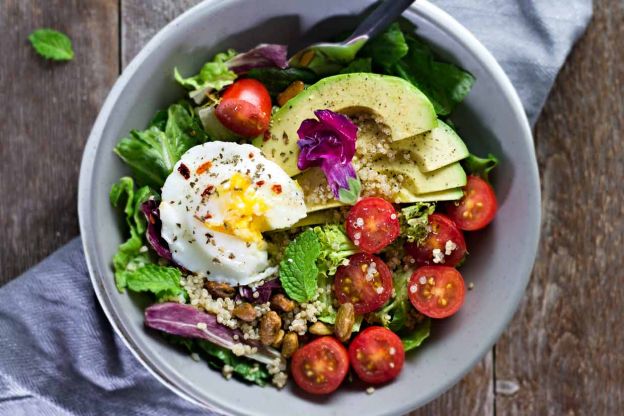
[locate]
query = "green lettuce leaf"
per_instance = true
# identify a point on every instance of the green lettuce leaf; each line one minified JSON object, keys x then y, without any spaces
{"x":480,"y":166}
{"x":335,"y":248}
{"x":152,"y":153}
{"x":129,"y":254}
{"x":298,"y":271}
{"x":387,"y":48}
{"x":214,"y":75}
{"x":395,"y":313}
{"x":446,"y":85}
{"x":52,"y":44}
{"x":243,"y":368}
{"x":414,"y":220}
{"x":358,"y":65}
{"x":414,"y":338}
{"x":277,"y":80}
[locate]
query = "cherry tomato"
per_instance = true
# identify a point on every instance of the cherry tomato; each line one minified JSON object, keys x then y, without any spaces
{"x":477,"y":208}
{"x":320,"y":366}
{"x":444,"y":244}
{"x":245,"y":108}
{"x":366,"y":283}
{"x":372,"y":224}
{"x":436,"y":291}
{"x":377,"y":355}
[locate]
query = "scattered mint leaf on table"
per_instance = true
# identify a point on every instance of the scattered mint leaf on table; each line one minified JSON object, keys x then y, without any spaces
{"x":298,"y":270}
{"x":52,"y":44}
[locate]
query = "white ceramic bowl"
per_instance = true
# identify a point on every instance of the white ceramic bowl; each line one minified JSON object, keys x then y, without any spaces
{"x":490,"y":120}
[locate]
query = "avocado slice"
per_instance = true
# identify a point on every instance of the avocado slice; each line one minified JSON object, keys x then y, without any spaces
{"x":406,"y":196}
{"x":394,"y":101}
{"x":434,"y":149}
{"x":417,"y":182}
{"x":326,"y":216}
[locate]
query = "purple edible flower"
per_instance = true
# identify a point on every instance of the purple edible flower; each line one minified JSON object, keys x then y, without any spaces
{"x":265,"y":290}
{"x":329,"y":143}
{"x":154,"y":225}
{"x":262,"y":56}
{"x":189,"y":322}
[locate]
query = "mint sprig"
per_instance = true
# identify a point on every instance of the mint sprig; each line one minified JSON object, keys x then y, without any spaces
{"x":298,"y":271}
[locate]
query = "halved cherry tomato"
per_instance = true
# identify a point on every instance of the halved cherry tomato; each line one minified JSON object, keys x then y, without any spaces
{"x":436,"y":291}
{"x":320,"y":366}
{"x":477,"y":208}
{"x":377,"y":355}
{"x":245,"y":108}
{"x":444,"y":244}
{"x":372,"y":224}
{"x":366,"y":283}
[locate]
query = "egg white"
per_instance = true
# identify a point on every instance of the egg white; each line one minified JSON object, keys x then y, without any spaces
{"x":188,"y":197}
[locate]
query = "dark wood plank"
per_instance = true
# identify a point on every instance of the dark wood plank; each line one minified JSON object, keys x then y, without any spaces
{"x":47,"y":112}
{"x":474,"y":394}
{"x":564,"y":353}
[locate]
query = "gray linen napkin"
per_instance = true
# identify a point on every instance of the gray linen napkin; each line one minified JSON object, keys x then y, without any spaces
{"x":59,"y":355}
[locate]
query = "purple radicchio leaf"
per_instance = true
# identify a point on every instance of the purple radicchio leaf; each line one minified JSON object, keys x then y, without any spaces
{"x":329,"y":143}
{"x":154,"y":225}
{"x":189,"y":322}
{"x":265,"y":290}
{"x":262,"y":56}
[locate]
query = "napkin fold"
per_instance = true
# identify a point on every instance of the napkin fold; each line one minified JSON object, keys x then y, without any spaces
{"x":58,"y":353}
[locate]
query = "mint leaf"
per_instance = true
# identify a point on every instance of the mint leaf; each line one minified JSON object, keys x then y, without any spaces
{"x":52,"y":44}
{"x":161,"y":281}
{"x":480,"y":166}
{"x":413,"y":339}
{"x":298,"y":271}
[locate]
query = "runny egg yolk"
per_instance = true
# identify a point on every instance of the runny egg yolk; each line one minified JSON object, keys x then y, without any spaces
{"x":243,"y":210}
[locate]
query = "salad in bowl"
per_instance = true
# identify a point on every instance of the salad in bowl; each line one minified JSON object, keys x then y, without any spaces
{"x":295,"y":221}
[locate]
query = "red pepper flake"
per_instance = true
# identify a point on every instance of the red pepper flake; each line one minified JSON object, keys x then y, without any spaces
{"x":208,"y":216}
{"x":277,"y":188}
{"x":266,"y":136}
{"x":204,"y":167}
{"x":208,"y":190}
{"x":184,"y":171}
{"x":251,"y":155}
{"x":259,"y":183}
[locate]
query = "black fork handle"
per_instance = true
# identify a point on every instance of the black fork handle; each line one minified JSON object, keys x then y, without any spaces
{"x":387,"y":12}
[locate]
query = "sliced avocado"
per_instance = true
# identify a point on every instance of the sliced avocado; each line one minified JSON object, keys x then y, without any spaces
{"x":396,"y":102}
{"x":213,"y":126}
{"x":434,"y":149}
{"x":406,"y":196}
{"x":417,"y":182}
{"x":326,"y":216}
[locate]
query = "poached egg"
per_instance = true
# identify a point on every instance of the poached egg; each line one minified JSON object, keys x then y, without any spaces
{"x":215,"y":205}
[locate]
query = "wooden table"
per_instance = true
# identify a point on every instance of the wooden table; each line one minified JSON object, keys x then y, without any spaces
{"x":563,"y":354}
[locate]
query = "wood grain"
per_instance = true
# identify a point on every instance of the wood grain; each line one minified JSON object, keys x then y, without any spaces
{"x":47,"y":112}
{"x":564,"y":352}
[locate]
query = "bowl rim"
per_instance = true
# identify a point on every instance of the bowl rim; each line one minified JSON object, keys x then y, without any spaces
{"x":424,"y":9}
